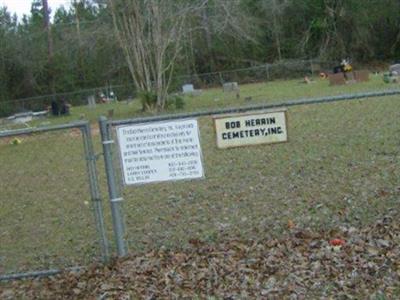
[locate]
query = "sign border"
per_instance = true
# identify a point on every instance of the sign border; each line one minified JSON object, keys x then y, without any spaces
{"x":203,"y":175}
{"x":261,"y":112}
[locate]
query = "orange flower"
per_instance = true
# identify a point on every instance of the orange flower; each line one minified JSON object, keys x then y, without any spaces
{"x":336,"y":242}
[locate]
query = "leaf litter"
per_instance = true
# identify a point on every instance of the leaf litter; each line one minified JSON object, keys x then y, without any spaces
{"x":342,"y":263}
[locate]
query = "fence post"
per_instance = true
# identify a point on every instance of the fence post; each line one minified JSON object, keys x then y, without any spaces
{"x":312,"y":67}
{"x":114,"y":194}
{"x":267,"y":69}
{"x":95,"y":190}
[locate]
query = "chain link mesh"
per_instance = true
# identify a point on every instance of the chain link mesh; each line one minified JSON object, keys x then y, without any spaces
{"x":46,"y":215}
{"x":339,"y":166}
{"x":284,"y":70}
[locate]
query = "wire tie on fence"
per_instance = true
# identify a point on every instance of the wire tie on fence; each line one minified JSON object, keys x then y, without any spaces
{"x":108,"y":142}
{"x":92,"y":157}
{"x":117,"y":200}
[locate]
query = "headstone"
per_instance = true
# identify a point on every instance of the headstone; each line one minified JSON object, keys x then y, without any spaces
{"x":230,"y":87}
{"x":361,"y":76}
{"x":188,"y":88}
{"x":91,"y":101}
{"x":65,"y":107}
{"x":337,"y":79}
{"x":21,"y":118}
{"x":395,"y":68}
{"x":350,"y":77}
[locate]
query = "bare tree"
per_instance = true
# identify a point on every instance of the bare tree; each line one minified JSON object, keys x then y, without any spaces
{"x":150,"y":33}
{"x":50,"y":51}
{"x":221,"y":19}
{"x":230,"y":18}
{"x":275,"y":11}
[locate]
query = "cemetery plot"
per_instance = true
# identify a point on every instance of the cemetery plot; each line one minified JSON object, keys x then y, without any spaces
{"x":338,"y":167}
{"x":349,"y":77}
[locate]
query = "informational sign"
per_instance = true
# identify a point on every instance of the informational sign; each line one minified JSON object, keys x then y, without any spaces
{"x":251,"y":129}
{"x":160,"y":151}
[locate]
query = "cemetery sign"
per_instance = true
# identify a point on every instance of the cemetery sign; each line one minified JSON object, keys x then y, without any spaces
{"x":161,"y":151}
{"x":251,"y":129}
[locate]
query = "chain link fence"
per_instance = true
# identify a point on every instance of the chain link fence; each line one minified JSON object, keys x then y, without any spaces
{"x":246,"y":78}
{"x":340,"y":166}
{"x":100,"y":95}
{"x":51,"y":214}
{"x":289,"y":69}
{"x":283,"y":70}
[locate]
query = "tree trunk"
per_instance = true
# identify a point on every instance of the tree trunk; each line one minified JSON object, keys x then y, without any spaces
{"x":277,"y":28}
{"x":208,"y":37}
{"x":81,"y":71}
{"x":50,"y":52}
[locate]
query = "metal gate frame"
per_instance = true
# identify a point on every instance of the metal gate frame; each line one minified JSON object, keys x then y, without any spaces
{"x":106,"y":126}
{"x":90,"y":157}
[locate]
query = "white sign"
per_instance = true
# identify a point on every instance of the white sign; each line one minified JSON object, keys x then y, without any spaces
{"x":251,"y":129}
{"x":160,"y":151}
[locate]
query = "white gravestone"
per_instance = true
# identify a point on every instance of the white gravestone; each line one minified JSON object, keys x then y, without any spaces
{"x":230,"y":87}
{"x":91,"y":101}
{"x":188,"y":88}
{"x":395,"y":69}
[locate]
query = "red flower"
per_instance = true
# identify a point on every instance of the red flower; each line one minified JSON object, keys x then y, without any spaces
{"x":336,"y":242}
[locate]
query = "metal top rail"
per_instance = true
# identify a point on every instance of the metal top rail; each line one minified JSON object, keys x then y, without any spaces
{"x":39,"y":273}
{"x":15,"y":132}
{"x":303,"y":101}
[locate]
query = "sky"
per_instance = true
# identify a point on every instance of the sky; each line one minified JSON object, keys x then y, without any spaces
{"x":21,"y":7}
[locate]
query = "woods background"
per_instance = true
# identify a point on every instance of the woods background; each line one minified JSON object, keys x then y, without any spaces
{"x":80,"y":47}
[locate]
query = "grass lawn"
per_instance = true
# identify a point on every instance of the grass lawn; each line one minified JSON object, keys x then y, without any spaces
{"x":341,"y":165}
{"x":270,"y":92}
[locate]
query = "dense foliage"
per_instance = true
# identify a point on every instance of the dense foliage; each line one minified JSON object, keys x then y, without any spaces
{"x":221,"y":35}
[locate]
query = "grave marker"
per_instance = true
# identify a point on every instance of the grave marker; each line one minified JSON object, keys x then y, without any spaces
{"x":395,"y":68}
{"x":361,"y":76}
{"x":337,"y":79}
{"x":188,"y":88}
{"x":230,"y":87}
{"x":91,"y":101}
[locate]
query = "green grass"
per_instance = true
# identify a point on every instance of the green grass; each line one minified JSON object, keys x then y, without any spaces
{"x":341,"y":165}
{"x":270,"y":92}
